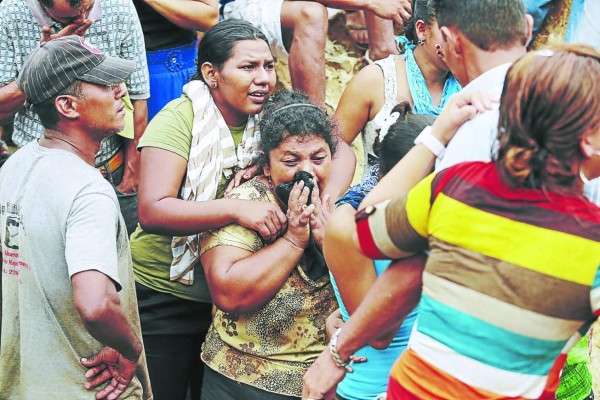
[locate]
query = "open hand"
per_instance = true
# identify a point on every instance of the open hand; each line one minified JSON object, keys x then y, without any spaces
{"x":461,"y":107}
{"x":320,"y":216}
{"x":265,"y":218}
{"x":298,"y":215}
{"x":78,"y":27}
{"x":109,"y":365}
{"x":243,"y":175}
{"x":399,"y":11}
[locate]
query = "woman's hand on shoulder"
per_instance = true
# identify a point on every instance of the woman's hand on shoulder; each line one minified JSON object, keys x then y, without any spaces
{"x":242,"y":176}
{"x":318,"y":219}
{"x":265,"y":218}
{"x":461,"y":107}
{"x":298,"y":216}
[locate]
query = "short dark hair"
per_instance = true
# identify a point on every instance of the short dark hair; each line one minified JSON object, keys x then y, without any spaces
{"x":400,"y":137}
{"x":50,"y":3}
{"x":489,"y":24}
{"x":421,"y":10}
{"x":218,"y":42}
{"x":278,"y":123}
{"x":46,"y":110}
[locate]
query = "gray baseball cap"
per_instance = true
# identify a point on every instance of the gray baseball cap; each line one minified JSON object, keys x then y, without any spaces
{"x":55,"y":65}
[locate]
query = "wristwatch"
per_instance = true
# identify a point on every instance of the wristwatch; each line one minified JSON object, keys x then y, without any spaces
{"x":432,"y":143}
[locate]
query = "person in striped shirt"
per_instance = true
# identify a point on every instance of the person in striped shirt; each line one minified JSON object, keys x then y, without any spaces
{"x":511,"y":281}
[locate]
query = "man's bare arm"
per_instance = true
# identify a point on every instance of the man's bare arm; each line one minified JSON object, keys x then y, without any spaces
{"x":99,"y":306}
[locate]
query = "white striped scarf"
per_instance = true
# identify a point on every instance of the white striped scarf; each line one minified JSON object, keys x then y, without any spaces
{"x":212,"y":155}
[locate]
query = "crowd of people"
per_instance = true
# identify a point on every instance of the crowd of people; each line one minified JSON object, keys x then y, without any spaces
{"x":174,"y":229}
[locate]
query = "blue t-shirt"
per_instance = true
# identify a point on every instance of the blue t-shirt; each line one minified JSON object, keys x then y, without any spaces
{"x":370,"y":378}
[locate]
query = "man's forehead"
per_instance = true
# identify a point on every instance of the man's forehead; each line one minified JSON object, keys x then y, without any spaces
{"x":43,"y":19}
{"x":66,"y":5}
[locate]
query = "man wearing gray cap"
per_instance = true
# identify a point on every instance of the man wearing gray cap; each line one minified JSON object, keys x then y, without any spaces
{"x":111,"y":25}
{"x":68,"y":294}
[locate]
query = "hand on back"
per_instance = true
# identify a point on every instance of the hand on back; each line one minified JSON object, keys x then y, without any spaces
{"x":108,"y":365}
{"x":265,"y":218}
{"x":461,"y":107}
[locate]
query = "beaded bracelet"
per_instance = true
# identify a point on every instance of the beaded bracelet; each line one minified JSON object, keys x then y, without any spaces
{"x":336,"y":357}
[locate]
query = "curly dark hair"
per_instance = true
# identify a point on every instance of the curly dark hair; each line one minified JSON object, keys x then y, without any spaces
{"x":292,"y":113}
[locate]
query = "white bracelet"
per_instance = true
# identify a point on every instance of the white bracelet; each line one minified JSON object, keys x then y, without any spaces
{"x":432,"y":143}
{"x":347,"y":365}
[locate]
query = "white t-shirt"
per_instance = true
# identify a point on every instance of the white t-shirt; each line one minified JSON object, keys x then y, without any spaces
{"x":58,"y":217}
{"x":476,"y":140}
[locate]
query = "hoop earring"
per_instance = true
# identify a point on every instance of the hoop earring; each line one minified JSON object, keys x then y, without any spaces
{"x":421,"y":42}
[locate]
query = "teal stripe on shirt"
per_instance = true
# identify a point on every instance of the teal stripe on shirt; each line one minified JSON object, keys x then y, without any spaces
{"x":484,"y":342}
{"x":596,"y":279}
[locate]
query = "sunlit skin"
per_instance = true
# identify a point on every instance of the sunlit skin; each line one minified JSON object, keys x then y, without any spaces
{"x":65,"y":14}
{"x":308,"y":153}
{"x":244,"y":82}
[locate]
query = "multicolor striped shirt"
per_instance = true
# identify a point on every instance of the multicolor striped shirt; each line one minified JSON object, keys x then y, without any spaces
{"x":511,"y":283}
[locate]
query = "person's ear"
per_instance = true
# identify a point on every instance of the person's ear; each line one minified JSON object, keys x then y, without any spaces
{"x":210,"y":73}
{"x":587,"y":145}
{"x":420,"y":28}
{"x":451,"y":40}
{"x":67,"y":105}
{"x":266,"y":170}
{"x":529,"y":22}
